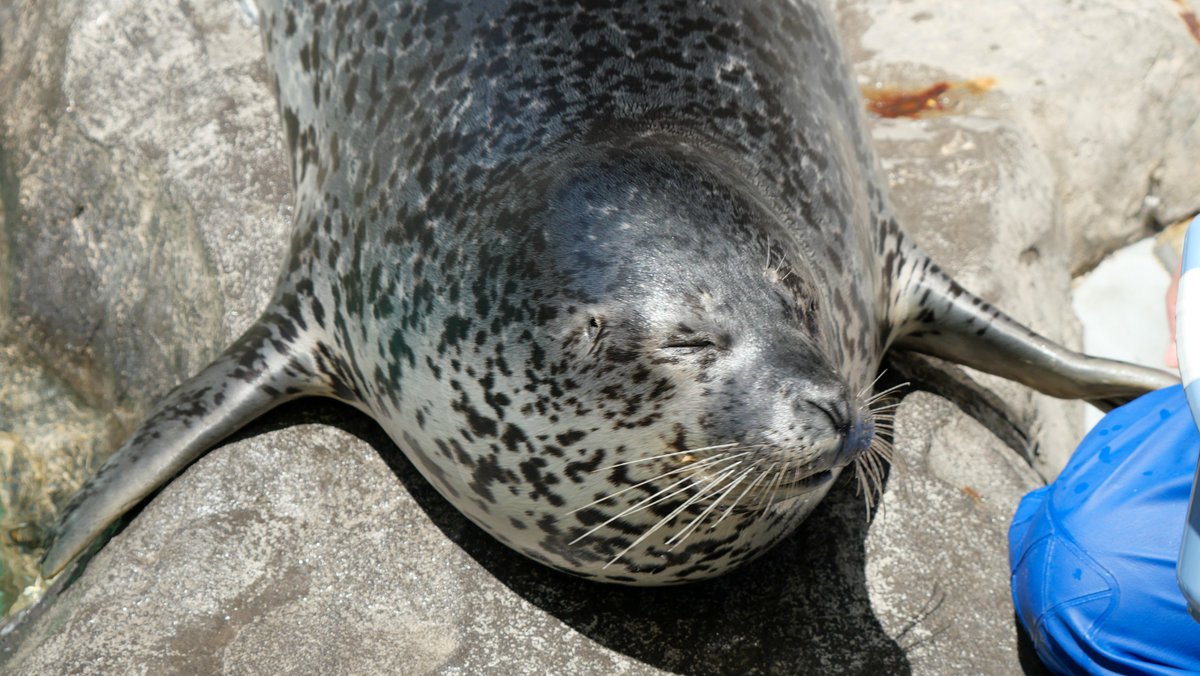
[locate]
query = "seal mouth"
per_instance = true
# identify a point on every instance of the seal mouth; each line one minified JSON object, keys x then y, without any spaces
{"x":792,"y":488}
{"x":812,"y":481}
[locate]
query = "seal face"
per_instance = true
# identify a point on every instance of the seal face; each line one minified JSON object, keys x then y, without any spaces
{"x":643,"y":386}
{"x":617,"y":279}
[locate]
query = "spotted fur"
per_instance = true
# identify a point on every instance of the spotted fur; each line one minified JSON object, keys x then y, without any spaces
{"x":617,"y":278}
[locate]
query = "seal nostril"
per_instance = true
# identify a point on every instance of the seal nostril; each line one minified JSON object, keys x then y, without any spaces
{"x":838,"y":419}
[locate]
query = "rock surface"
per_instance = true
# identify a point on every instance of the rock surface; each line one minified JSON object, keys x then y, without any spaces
{"x":144,"y":209}
{"x":1101,"y":92}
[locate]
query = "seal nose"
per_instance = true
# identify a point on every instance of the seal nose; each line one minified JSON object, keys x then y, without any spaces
{"x":851,"y":433}
{"x":858,"y":437}
{"x":838,"y":413}
{"x":832,"y":401}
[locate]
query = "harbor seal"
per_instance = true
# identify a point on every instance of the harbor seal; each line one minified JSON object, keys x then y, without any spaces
{"x":618,"y":280}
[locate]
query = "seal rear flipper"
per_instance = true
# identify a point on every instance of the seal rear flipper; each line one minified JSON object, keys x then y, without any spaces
{"x":258,"y":372}
{"x":936,"y":316}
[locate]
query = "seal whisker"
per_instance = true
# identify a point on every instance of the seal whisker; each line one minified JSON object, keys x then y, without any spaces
{"x":779,"y":482}
{"x":863,"y":392}
{"x":767,"y":474}
{"x":734,"y":504}
{"x":883,"y":416}
{"x":673,"y":453}
{"x":877,"y":470}
{"x":774,"y":490}
{"x":661,"y":522}
{"x":644,"y":503}
{"x":795,"y":468}
{"x":885,"y":450}
{"x":868,"y":478}
{"x":682,"y":535}
{"x":651,"y":500}
{"x":862,"y":488}
{"x":871,"y":468}
{"x":880,"y":395}
{"x":699,"y":463}
{"x":863,"y":467}
{"x":880,"y":459}
{"x":871,"y":471}
{"x":875,"y":485}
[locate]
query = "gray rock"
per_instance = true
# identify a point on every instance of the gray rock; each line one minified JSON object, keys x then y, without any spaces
{"x":1105,"y":92}
{"x":936,"y":564}
{"x":139,"y":144}
{"x":309,"y":544}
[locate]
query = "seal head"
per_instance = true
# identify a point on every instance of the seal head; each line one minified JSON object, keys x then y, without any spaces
{"x":682,"y":383}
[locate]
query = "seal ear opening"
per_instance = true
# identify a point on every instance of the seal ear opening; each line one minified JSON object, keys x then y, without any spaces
{"x":593,"y":329}
{"x":250,"y":378}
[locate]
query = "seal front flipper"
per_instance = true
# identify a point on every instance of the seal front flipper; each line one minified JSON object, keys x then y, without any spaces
{"x":261,"y":370}
{"x":932,"y":314}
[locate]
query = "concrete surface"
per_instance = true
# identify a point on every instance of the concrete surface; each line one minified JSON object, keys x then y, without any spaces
{"x":145,"y":204}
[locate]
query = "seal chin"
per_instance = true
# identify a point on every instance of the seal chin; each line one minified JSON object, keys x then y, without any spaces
{"x":810,"y":483}
{"x":777,"y":495}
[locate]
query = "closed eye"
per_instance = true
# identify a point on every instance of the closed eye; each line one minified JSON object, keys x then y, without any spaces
{"x":689,"y":344}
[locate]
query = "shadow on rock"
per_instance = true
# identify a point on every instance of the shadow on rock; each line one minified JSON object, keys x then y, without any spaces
{"x":803,"y":607}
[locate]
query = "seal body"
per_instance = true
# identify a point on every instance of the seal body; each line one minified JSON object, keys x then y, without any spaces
{"x":617,"y":279}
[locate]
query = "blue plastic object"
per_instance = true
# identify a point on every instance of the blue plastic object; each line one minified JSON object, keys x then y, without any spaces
{"x":1093,"y":555}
